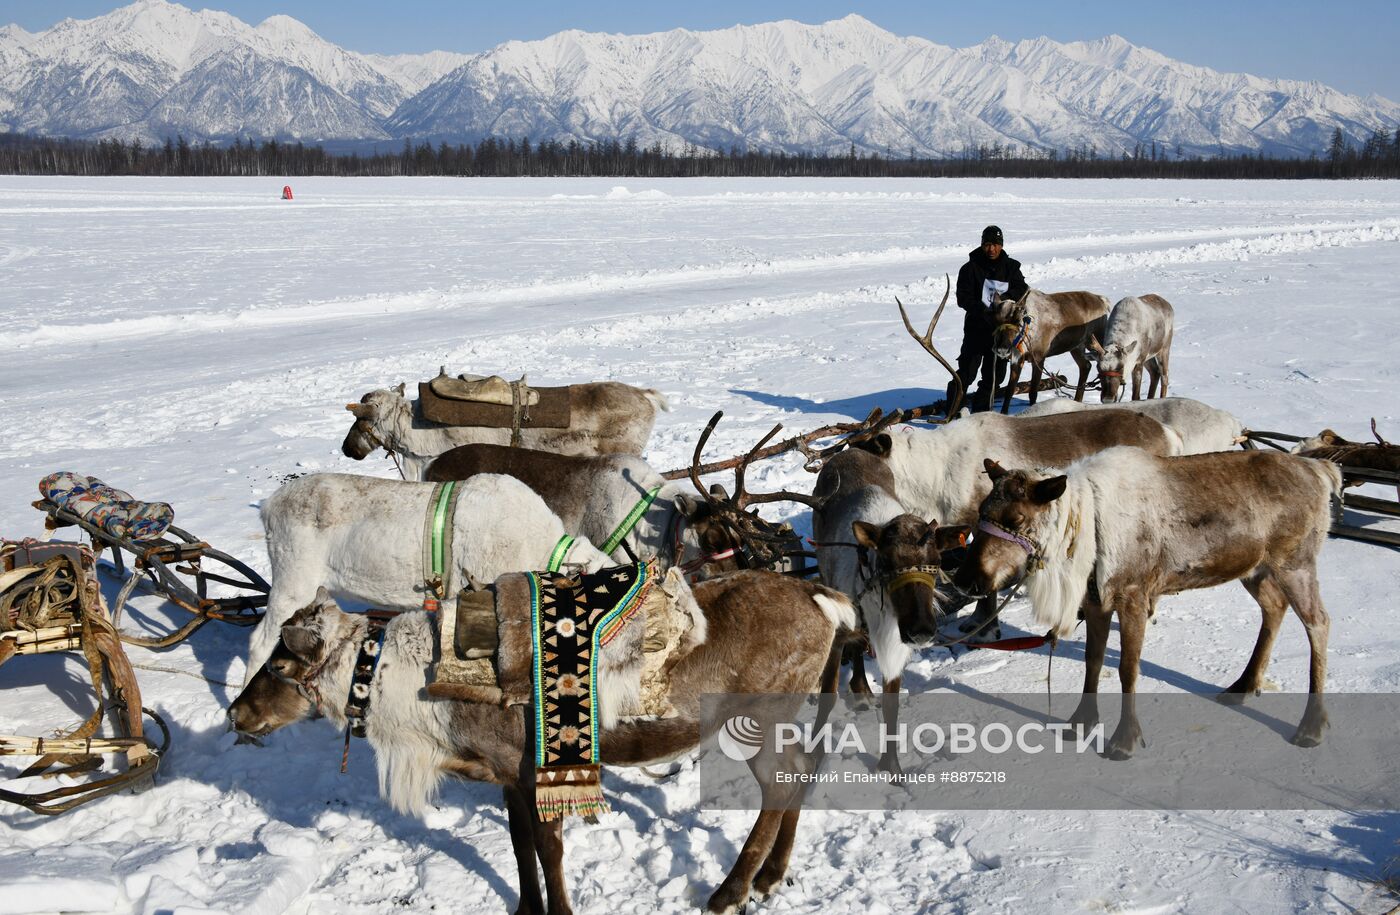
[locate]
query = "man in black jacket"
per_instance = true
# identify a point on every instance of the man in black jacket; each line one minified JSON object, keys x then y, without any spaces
{"x":989,"y":276}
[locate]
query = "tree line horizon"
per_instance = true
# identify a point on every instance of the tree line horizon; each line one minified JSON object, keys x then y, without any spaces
{"x":1378,"y":157}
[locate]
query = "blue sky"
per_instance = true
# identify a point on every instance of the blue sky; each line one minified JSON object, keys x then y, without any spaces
{"x":1352,"y":45}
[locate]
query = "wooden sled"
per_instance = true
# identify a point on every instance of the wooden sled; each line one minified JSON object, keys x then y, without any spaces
{"x":179,"y":567}
{"x":50,"y":601}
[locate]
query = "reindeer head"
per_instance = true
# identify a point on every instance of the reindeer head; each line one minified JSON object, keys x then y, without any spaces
{"x":1014,"y":319}
{"x":908,"y":564}
{"x":282,"y":692}
{"x":1012,"y":522}
{"x":709,"y":545}
{"x":1112,"y":361}
{"x":379,"y":417}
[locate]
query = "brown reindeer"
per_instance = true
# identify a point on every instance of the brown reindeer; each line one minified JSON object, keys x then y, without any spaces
{"x":1040,"y":325}
{"x":1138,"y":526}
{"x":766,"y":634}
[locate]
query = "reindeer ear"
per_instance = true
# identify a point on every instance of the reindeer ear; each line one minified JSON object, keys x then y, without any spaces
{"x":399,"y":388}
{"x":323,"y":597}
{"x":952,"y":536}
{"x":302,"y":642}
{"x":866,"y":534}
{"x":687,"y":506}
{"x":879,"y":445}
{"x":1047,"y":491}
{"x":1095,"y":345}
{"x":994,"y":470}
{"x":1132,"y":345}
{"x":719,"y":492}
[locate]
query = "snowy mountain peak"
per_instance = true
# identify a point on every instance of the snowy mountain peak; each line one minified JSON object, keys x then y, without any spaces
{"x":154,"y":68}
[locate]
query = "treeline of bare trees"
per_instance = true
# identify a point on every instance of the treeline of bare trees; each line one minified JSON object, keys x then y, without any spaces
{"x":1379,"y":157}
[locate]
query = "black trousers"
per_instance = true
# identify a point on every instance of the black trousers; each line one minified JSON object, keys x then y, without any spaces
{"x":976,"y":353}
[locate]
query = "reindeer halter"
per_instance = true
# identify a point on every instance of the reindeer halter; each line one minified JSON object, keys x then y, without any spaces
{"x":1001,"y":533}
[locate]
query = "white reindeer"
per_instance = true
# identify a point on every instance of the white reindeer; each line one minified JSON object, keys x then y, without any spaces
{"x":362,"y":538}
{"x":607,"y":417}
{"x":1139,"y":335}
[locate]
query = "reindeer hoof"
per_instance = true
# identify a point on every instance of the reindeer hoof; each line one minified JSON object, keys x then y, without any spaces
{"x":1230,"y":697}
{"x":1309,"y":738}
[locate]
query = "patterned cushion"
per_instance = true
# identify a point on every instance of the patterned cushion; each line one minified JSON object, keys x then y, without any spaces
{"x":113,"y":510}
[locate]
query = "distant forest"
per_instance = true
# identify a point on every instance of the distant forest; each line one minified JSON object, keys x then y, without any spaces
{"x":1378,"y":157}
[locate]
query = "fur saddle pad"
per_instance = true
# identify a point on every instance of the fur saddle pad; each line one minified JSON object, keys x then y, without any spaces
{"x":551,"y":408}
{"x":113,"y":510}
{"x":486,"y":652}
{"x":484,"y":389}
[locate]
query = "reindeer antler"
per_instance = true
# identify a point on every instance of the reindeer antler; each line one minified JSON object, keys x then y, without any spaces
{"x":742,"y":498}
{"x":926,"y":341}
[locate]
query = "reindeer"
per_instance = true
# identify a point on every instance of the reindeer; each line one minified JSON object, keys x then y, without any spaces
{"x":1040,"y":325}
{"x":593,"y":496}
{"x":1139,"y":334}
{"x":892,"y":570}
{"x":937,"y":475}
{"x":1117,"y":530}
{"x":766,"y":634}
{"x":1202,"y":428}
{"x":607,"y":418}
{"x":363,"y":538}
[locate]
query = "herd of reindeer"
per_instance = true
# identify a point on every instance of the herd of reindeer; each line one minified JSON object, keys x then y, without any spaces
{"x":1094,"y":510}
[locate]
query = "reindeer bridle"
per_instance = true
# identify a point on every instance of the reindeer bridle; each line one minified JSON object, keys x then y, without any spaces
{"x":1033,"y":552}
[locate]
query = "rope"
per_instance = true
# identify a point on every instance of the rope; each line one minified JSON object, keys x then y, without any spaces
{"x":161,"y":668}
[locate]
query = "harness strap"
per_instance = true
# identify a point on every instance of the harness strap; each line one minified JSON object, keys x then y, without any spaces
{"x":560,"y":552}
{"x":1002,"y":533}
{"x":622,"y":530}
{"x":916,"y":576}
{"x":357,"y":703}
{"x":437,"y":544}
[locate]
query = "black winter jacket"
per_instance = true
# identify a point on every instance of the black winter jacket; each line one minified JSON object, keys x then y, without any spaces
{"x":974,"y":294}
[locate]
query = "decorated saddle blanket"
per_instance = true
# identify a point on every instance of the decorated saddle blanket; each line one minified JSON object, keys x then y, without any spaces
{"x":569,"y":649}
{"x":106,"y":507}
{"x":538,"y":408}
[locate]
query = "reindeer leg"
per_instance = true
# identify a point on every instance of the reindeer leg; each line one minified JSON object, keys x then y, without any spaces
{"x":860,"y":683}
{"x":1137,"y":381}
{"x":1163,"y":359}
{"x":889,"y":705}
{"x":1081,"y":360}
{"x":1037,"y":372}
{"x":1300,"y":586}
{"x":1011,"y":386}
{"x":522,"y":841}
{"x":549,"y":845}
{"x":1154,"y":375}
{"x":775,"y":867}
{"x":547,"y":836}
{"x":1097,"y":623}
{"x":733,"y":893}
{"x":1132,"y":626}
{"x":1272,"y":602}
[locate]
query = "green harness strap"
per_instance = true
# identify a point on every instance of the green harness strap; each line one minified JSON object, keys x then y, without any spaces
{"x":439,"y":538}
{"x":561,"y":549}
{"x":635,"y":515}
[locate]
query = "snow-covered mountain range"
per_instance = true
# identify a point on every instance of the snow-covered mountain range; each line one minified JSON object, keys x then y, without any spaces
{"x":155,"y":68}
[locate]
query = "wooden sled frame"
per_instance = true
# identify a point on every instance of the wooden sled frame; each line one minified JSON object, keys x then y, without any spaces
{"x":167,"y":563}
{"x":82,"y":625}
{"x":1350,"y":476}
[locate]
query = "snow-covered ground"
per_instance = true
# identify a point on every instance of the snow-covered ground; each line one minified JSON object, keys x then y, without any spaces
{"x":194,"y":341}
